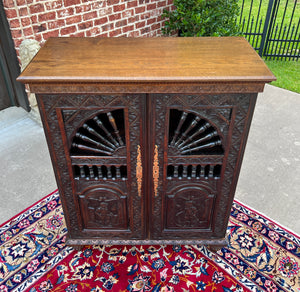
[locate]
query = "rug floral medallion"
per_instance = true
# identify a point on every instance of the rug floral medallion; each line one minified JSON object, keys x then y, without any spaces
{"x":260,"y":256}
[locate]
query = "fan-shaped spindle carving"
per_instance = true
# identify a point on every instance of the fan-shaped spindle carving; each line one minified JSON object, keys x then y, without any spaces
{"x":204,"y":146}
{"x":198,"y":132}
{"x":96,"y":134}
{"x":114,"y":125}
{"x":184,"y":135}
{"x":90,"y":140}
{"x":87,"y":148}
{"x":177,"y":131}
{"x":200,"y":140}
{"x":107,"y":133}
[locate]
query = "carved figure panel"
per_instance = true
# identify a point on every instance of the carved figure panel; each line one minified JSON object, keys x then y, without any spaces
{"x":104,"y":208}
{"x":189,"y":208}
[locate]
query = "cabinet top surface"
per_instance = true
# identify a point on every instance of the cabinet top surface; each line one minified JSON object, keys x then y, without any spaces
{"x":173,"y":59}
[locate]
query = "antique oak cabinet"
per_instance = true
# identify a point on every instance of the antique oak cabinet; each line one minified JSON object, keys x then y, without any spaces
{"x":146,"y":136}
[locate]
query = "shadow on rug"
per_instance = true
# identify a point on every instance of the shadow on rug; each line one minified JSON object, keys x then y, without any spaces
{"x":261,"y":256}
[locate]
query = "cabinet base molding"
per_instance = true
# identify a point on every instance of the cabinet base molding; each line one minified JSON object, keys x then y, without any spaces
{"x":213,"y":244}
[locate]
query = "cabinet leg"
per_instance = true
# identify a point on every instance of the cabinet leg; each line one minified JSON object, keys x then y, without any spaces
{"x":214,"y":248}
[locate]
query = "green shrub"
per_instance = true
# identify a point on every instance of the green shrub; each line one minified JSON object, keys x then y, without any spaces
{"x":202,"y":18}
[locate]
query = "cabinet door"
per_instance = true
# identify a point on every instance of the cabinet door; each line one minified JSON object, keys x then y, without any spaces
{"x":96,"y":144}
{"x":197,"y":143}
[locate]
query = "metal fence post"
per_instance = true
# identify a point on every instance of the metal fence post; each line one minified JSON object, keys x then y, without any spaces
{"x":266,"y":25}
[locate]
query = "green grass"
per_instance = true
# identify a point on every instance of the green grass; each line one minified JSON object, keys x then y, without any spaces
{"x":287,"y":74}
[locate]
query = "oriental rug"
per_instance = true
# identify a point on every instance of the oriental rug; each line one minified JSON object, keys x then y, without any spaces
{"x":261,"y":256}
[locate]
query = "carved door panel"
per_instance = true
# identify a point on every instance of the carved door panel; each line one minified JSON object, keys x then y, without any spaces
{"x":96,"y":143}
{"x":197,"y":147}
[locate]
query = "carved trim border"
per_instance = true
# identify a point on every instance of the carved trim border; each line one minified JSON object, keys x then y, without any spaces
{"x":91,"y":241}
{"x":149,"y":87}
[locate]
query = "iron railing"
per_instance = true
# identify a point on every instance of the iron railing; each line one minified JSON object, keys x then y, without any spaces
{"x":272,"y":27}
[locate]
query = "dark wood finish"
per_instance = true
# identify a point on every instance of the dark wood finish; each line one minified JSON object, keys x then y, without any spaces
{"x":147,"y":136}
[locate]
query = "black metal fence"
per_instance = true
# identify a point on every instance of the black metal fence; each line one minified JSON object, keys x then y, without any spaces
{"x":272,"y":27}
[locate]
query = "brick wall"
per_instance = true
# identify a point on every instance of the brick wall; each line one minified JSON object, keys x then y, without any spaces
{"x":41,"y":19}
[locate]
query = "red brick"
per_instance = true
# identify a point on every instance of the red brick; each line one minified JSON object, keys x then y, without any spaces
{"x":140,"y":24}
{"x":134,"y":19}
{"x":127,"y":13}
{"x":83,"y":8}
{"x":145,"y":15}
{"x":50,"y":34}
{"x":85,"y":25}
{"x":151,"y":6}
{"x":128,"y":28}
{"x":140,"y":9}
{"x":115,"y":33}
{"x":14,"y":23}
{"x":121,"y":23}
{"x":105,"y":11}
{"x":25,"y":21}
{"x":105,"y":35}
{"x":151,"y":21}
{"x":33,"y":19}
{"x":71,"y":2}
{"x":39,"y":28}
{"x":8,"y":3}
{"x":56,"y":24}
{"x":134,"y":34}
{"x":28,"y":31}
{"x":112,"y":2}
{"x":17,"y":42}
{"x":131,"y":4}
{"x":161,"y":3}
{"x":53,"y":5}
{"x":73,"y":19}
{"x":92,"y":32}
{"x":68,"y":30}
{"x":38,"y":37}
{"x":65,"y":12}
{"x":100,"y":21}
{"x":11,"y":13}
{"x":145,"y":30}
{"x":78,"y":34}
{"x":23,"y":11}
{"x":16,"y":33}
{"x":107,"y":27}
{"x":90,"y":15}
{"x":119,"y":7}
{"x":98,"y":5}
{"x":36,"y":8}
{"x":46,"y":16}
{"x":21,"y":2}
{"x":114,"y":17}
{"x":155,"y":26}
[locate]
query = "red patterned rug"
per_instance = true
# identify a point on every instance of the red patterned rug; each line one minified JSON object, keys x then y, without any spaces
{"x":261,"y":256}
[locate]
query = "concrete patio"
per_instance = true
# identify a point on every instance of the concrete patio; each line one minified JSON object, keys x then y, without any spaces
{"x":269,"y":181}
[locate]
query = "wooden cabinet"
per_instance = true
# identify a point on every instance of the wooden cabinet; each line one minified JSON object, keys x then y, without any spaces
{"x":146,"y":135}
